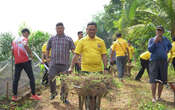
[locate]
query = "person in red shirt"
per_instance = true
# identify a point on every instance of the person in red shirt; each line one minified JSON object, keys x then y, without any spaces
{"x":21,"y":53}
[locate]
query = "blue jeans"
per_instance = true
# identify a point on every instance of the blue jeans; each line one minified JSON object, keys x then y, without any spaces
{"x":121,"y":63}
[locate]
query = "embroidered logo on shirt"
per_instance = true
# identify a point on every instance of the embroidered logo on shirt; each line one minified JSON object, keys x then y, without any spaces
{"x":98,"y":45}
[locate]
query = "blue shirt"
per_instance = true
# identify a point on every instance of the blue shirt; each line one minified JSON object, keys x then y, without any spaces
{"x":160,"y":49}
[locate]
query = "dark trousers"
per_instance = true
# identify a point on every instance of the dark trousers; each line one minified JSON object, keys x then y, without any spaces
{"x":144,"y":65}
{"x":27,"y":66}
{"x":45,"y":76}
{"x":55,"y":70}
{"x":121,"y":63}
{"x":173,"y":62}
{"x":77,"y":68}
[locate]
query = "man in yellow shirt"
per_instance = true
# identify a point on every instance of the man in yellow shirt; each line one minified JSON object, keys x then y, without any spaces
{"x":120,"y":46}
{"x":144,"y":60}
{"x":172,"y":53}
{"x":92,"y":50}
{"x":131,"y":54}
{"x":78,"y":63}
{"x":80,"y":35}
{"x":45,"y":76}
{"x":131,"y":51}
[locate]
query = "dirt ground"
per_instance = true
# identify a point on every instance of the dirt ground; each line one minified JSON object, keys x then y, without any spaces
{"x":128,"y":97}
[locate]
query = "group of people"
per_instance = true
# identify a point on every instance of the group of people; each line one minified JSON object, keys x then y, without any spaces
{"x":89,"y":54}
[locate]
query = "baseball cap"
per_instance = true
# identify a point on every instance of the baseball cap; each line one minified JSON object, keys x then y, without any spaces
{"x":160,"y":28}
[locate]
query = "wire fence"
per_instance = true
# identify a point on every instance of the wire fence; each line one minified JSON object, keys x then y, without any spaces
{"x":6,"y":78}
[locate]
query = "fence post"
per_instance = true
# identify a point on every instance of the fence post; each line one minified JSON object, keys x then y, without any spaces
{"x":7,"y":90}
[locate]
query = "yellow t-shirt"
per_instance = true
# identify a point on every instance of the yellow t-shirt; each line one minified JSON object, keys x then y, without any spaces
{"x":172,"y":51}
{"x":44,"y":49}
{"x":146,"y":55}
{"x":76,"y":42}
{"x":120,"y":46}
{"x":131,"y":51}
{"x":91,"y":51}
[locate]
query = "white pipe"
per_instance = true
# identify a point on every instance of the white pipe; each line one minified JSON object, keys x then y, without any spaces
{"x":40,"y":60}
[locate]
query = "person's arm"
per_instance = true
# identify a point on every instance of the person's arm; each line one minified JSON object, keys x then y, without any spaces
{"x":152,"y":45}
{"x":28,"y":51}
{"x":72,"y":45}
{"x":49,"y":46}
{"x":169,"y":45}
{"x":112,"y":52}
{"x":74,"y":60}
{"x":127,"y":51}
{"x":76,"y":55}
{"x":104,"y":58}
{"x":111,"y":56}
{"x":43,"y":56}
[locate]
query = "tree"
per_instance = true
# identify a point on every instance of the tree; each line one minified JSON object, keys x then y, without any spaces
{"x":37,"y":39}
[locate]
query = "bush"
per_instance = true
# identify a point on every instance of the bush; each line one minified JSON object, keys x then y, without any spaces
{"x":5,"y":45}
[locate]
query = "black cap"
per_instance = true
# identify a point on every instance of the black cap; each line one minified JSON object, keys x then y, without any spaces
{"x":160,"y":28}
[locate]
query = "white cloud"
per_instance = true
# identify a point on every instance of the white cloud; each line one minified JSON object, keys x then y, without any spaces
{"x":44,"y":14}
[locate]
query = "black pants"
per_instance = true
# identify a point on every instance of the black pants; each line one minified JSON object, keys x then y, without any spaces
{"x":173,"y":62}
{"x":77,"y":68}
{"x":45,"y":79}
{"x":145,"y":65}
{"x":27,"y":66}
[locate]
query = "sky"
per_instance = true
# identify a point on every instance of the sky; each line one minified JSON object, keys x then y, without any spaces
{"x":44,"y":14}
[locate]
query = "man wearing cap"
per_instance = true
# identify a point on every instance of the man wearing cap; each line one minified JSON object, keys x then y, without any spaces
{"x":158,"y":46}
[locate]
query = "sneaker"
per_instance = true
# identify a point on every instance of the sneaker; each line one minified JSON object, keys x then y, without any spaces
{"x":35,"y":97}
{"x":14,"y":98}
{"x":153,"y":100}
{"x":52,"y":96}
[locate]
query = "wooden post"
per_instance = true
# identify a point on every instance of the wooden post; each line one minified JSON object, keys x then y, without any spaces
{"x":87,"y":102}
{"x":7,"y":90}
{"x":98,"y":102}
{"x":81,"y":102}
{"x":92,"y":102}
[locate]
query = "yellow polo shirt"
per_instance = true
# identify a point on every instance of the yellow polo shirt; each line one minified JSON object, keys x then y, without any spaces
{"x":146,"y":55}
{"x":131,"y":51}
{"x":91,"y":51}
{"x":120,"y":46}
{"x":44,"y":49}
{"x":172,"y":51}
{"x":76,"y":42}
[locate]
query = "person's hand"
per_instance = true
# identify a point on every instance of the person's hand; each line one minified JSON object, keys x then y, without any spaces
{"x":70,"y":70}
{"x":48,"y":60}
{"x":158,"y":38}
